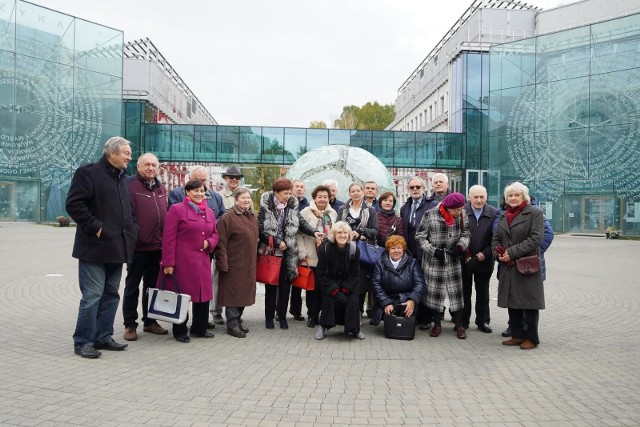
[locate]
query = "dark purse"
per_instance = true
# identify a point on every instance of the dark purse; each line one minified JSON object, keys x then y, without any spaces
{"x":369,"y":253}
{"x":399,"y":327}
{"x":528,"y":264}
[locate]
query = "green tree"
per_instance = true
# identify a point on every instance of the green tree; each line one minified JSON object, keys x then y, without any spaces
{"x":318,"y":124}
{"x":371,"y":116}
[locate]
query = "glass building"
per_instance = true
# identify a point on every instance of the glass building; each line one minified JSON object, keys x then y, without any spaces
{"x":60,"y":100}
{"x":564,"y":118}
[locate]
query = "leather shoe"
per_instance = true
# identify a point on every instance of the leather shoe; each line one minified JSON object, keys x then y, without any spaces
{"x":110,"y":345}
{"x":87,"y":351}
{"x":284,"y":324}
{"x":311,"y":323}
{"x":528,"y":345}
{"x":130,"y":334}
{"x":211,"y":325}
{"x":243,"y":329}
{"x":484,"y":327}
{"x":205,"y":335}
{"x":513,"y":342}
{"x":298,"y":317}
{"x":460,"y":333}
{"x":373,"y":322}
{"x":183,"y":339}
{"x":156,"y":329}
{"x":425,"y":326}
{"x":436,"y":330}
{"x":507,"y":332}
{"x":277,"y":317}
{"x":268,"y":323}
{"x":236,"y":332}
{"x":218,"y":320}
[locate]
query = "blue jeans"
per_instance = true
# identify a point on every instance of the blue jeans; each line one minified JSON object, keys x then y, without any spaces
{"x":99,"y":284}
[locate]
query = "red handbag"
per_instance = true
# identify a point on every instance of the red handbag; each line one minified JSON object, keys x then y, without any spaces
{"x":268,"y":269}
{"x":305,"y":279}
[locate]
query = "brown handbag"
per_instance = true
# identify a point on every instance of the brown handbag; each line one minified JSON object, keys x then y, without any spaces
{"x":268,"y":269}
{"x":528,"y":264}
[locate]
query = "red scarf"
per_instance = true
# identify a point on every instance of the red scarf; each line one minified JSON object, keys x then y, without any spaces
{"x":448,"y":218}
{"x":513,"y":212}
{"x":202,"y":206}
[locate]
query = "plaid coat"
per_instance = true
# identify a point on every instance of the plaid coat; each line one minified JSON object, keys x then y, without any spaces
{"x":442,"y":277}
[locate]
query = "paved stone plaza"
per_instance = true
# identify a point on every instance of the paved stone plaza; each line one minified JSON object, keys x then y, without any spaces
{"x":585,"y":372}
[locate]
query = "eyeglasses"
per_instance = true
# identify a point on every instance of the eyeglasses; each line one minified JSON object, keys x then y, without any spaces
{"x":415,"y":187}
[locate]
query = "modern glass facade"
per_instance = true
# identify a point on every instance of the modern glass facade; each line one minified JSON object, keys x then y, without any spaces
{"x":283,"y":146}
{"x":565,"y":118}
{"x":60,"y":99}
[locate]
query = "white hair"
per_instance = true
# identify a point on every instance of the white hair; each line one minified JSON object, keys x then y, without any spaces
{"x":419,"y":178}
{"x":330,"y":182}
{"x":440,"y":175}
{"x":196,"y":168}
{"x":153,"y":156}
{"x":517,"y":187}
{"x":477,"y":187}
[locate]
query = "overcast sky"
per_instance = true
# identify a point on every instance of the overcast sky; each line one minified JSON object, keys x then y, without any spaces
{"x":283,"y":62}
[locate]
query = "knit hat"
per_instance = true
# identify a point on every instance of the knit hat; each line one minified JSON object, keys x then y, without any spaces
{"x":453,"y":201}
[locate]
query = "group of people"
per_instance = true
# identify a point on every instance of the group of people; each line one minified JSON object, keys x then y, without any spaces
{"x":365,"y":257}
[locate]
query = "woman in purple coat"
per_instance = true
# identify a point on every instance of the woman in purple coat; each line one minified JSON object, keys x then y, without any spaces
{"x":190,"y":236}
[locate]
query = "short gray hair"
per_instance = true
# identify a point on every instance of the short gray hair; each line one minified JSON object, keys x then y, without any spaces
{"x":339,"y":226}
{"x":477,"y":187}
{"x":330,"y":182}
{"x":113,"y":145}
{"x":148,"y":155}
{"x":440,"y":175}
{"x":419,"y":178}
{"x":240,"y":191}
{"x":517,"y":187}
{"x":196,"y":168}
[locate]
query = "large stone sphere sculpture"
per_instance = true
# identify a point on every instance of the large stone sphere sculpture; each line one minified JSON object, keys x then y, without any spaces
{"x":344,"y":164}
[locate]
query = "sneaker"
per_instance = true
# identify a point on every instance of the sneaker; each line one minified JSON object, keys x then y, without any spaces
{"x":156,"y":329}
{"x":130,"y":334}
{"x":359,"y":335}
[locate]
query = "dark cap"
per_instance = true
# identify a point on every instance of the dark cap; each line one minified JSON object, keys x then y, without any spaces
{"x":233,"y":171}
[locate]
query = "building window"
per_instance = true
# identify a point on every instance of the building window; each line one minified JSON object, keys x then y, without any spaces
{"x":442,"y":104}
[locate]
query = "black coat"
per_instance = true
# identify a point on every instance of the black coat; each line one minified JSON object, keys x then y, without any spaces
{"x":481,"y":234}
{"x":410,"y":225}
{"x":98,"y":199}
{"x":404,"y":283}
{"x":332,"y":276}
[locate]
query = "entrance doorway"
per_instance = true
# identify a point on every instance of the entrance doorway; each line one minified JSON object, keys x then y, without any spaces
{"x":7,"y":201}
{"x":590,"y":213}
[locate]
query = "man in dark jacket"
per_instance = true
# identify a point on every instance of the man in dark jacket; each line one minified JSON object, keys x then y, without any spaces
{"x":440,"y":184}
{"x":412,"y":213}
{"x":216,"y":204}
{"x":478,"y":259}
{"x":98,"y":201}
{"x":149,"y":204}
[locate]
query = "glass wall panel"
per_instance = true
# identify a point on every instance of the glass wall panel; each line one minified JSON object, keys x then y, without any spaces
{"x":43,"y":87}
{"x":564,"y":55}
{"x":615,"y":98}
{"x":473,"y":82}
{"x":250,"y":144}
{"x":340,"y":136}
{"x":43,"y":33}
{"x":273,"y":145}
{"x":362,"y":139}
{"x":614,"y":45}
{"x":97,"y":97}
{"x":317,"y":138}
{"x":295,"y":143}
{"x":449,"y":150}
{"x":382,"y":146}
{"x":562,"y":104}
{"x":517,"y":64}
{"x":426,"y":149}
{"x":205,"y":143}
{"x":405,"y":149}
{"x":182,"y":142}
{"x":98,"y":48}
{"x":228,"y":143}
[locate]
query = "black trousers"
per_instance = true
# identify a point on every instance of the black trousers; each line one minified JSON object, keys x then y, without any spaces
{"x":364,"y":285}
{"x":337,"y":314}
{"x":435,"y":315}
{"x":296,"y":301}
{"x":277,"y":295}
{"x":200,"y":312}
{"x":144,"y":266}
{"x":314,"y":301}
{"x":517,"y":317}
{"x":482,"y":297}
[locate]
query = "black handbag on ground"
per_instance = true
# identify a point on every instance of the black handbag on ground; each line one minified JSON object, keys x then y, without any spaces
{"x":398,"y":327}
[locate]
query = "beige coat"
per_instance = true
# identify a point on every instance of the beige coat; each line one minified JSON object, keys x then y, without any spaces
{"x":307,"y":244}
